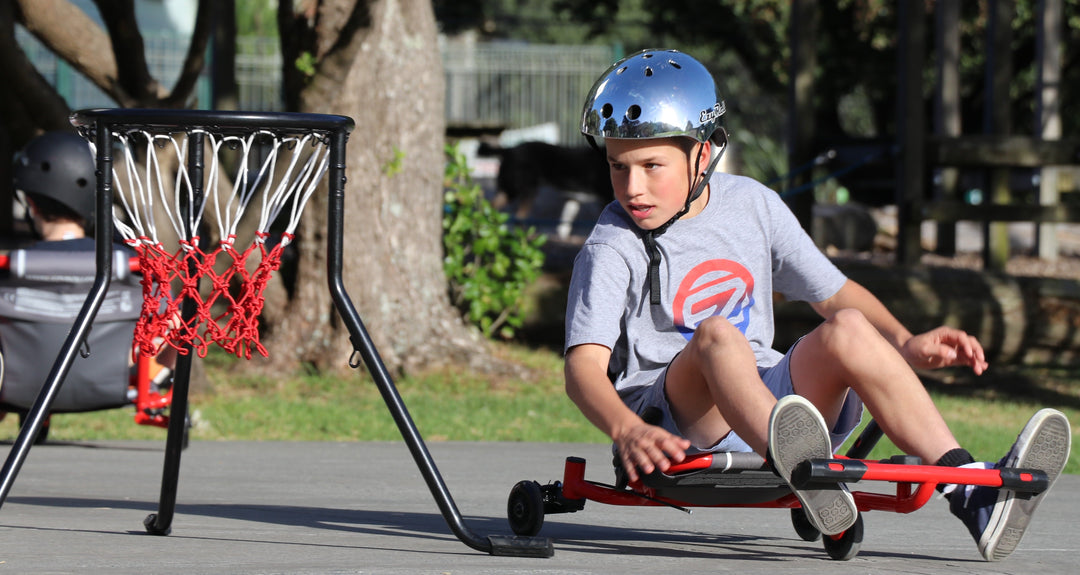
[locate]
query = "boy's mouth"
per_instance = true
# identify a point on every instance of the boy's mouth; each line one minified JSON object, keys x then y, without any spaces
{"x":639,"y":211}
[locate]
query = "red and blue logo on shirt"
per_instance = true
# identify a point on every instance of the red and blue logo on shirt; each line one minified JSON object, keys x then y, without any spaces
{"x":714,"y":287}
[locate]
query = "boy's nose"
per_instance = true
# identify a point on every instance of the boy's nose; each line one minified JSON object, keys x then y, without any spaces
{"x":634,"y":187}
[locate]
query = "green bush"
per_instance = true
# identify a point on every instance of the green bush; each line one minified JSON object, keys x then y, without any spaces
{"x":488,"y":263}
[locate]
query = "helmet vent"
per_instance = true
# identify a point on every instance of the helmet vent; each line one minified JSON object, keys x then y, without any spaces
{"x":674,"y":64}
{"x":633,"y":112}
{"x":648,"y":71}
{"x":46,"y":166}
{"x":81,"y":182}
{"x":620,"y":70}
{"x":606,"y":110}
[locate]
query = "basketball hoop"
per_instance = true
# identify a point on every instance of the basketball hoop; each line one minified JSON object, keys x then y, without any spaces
{"x":201,"y":174}
{"x":302,"y":162}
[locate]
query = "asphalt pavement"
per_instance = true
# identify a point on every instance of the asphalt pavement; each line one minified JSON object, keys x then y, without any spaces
{"x":293,"y":507}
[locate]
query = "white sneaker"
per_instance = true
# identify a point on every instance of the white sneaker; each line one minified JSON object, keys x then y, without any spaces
{"x":997,"y":518}
{"x":797,"y":432}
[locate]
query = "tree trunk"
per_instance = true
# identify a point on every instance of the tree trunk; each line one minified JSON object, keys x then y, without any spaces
{"x":377,"y":61}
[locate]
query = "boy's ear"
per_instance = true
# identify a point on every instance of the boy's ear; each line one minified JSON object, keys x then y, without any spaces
{"x":706,"y":155}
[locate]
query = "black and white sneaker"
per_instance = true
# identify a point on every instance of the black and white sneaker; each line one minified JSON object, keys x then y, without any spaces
{"x":998,"y":518}
{"x":797,"y":432}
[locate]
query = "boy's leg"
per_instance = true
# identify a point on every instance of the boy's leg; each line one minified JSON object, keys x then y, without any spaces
{"x":998,"y":518}
{"x":846,"y":351}
{"x":714,"y":387}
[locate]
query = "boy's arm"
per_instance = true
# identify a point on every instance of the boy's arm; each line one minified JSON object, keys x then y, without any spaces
{"x":940,"y":347}
{"x":640,"y":445}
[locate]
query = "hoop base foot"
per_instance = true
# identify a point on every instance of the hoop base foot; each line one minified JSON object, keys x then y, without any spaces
{"x":151,"y":526}
{"x":521,"y":546}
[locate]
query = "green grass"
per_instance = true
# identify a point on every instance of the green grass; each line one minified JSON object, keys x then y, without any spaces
{"x":984,"y":413}
{"x":448,"y":405}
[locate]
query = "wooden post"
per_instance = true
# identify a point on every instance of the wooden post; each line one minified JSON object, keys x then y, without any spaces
{"x":1048,"y":111}
{"x":997,"y":120}
{"x":803,"y":27}
{"x":947,"y":110}
{"x":910,"y":132}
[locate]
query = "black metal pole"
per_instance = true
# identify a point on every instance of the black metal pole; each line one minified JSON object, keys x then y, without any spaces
{"x":496,"y":545}
{"x":160,"y":523}
{"x":81,"y":328}
{"x":866,"y":441}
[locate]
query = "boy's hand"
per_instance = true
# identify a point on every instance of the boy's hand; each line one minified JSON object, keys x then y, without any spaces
{"x":945,"y":347}
{"x":647,"y":448}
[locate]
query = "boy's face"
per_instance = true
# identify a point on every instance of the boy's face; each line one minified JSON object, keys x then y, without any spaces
{"x":651,"y":179}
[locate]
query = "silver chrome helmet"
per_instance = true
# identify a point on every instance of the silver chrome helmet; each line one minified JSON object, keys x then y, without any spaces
{"x":653,"y":94}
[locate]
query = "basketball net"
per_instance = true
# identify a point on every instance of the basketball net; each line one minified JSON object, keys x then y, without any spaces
{"x":276,"y":174}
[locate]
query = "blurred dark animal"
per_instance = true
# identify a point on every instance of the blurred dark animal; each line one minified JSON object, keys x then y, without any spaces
{"x":526,"y":167}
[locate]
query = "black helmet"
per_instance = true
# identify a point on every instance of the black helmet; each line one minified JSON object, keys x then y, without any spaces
{"x":58,"y":166}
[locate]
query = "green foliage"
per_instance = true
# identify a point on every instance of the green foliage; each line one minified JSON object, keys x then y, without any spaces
{"x":306,"y":64}
{"x":488,"y":263}
{"x":393,"y":166}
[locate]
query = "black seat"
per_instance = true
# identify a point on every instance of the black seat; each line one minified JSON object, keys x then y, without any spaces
{"x":39,"y":300}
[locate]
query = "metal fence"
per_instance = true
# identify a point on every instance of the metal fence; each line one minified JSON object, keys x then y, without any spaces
{"x":518,"y":86}
{"x":507,"y":85}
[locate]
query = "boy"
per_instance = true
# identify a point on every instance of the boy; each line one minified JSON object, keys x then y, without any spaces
{"x":670,"y":301}
{"x":55,"y":178}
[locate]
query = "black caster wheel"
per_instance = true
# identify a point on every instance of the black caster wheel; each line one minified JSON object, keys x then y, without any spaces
{"x":803,"y":527}
{"x":525,"y":508}
{"x":846,"y":545}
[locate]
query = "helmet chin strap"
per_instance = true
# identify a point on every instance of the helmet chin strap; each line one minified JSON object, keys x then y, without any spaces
{"x":649,"y":237}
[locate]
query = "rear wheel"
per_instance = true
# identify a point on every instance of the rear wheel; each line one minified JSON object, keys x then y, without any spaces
{"x":803,"y":527}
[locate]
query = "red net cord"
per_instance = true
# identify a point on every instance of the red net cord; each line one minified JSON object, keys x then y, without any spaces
{"x":235,"y":292}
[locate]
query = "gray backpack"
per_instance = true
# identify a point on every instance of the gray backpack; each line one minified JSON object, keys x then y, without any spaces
{"x":39,"y":300}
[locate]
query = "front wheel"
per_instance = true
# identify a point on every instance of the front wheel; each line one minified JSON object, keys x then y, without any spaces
{"x":846,"y":545}
{"x":525,"y":508}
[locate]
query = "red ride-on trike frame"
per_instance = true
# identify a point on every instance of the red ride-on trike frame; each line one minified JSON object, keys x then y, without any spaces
{"x":744,"y":480}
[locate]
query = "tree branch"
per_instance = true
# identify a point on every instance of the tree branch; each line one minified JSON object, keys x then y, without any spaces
{"x":296,"y":28}
{"x":133,"y":75}
{"x":195,"y":60}
{"x":75,"y":38}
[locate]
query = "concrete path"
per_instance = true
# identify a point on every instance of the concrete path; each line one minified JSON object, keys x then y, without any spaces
{"x":266,"y":507}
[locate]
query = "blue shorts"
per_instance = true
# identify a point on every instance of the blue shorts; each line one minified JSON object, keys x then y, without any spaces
{"x":776,"y":378}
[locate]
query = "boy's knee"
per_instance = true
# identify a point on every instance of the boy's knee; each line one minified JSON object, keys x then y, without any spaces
{"x":717,"y":332}
{"x":848,"y":326}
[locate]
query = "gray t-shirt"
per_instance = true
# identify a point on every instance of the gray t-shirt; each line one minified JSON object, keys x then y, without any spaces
{"x":728,"y":260}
